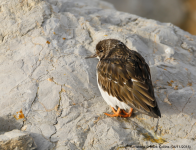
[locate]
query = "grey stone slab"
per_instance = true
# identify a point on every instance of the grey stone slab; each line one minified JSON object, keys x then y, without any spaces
{"x":49,"y":89}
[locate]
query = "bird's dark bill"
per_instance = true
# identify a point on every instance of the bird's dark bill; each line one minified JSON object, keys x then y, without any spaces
{"x":92,"y":56}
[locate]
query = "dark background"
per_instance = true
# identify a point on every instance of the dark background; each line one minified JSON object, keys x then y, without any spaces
{"x":181,"y":13}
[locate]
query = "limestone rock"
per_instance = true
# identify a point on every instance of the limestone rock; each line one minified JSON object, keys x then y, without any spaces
{"x":50,"y":90}
{"x":16,"y":140}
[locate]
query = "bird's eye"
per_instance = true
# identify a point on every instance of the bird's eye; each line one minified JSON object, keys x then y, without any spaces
{"x":101,"y":50}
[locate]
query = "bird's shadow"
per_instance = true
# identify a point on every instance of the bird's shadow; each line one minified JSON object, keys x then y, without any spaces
{"x":147,"y":132}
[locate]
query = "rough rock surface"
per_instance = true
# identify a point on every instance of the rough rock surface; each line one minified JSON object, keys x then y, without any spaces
{"x":50,"y":90}
{"x":16,"y":140}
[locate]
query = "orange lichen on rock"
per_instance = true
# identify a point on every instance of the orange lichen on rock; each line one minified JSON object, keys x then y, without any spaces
{"x":189,"y":84}
{"x":170,"y":83}
{"x":47,"y":42}
{"x":155,"y":139}
{"x":64,"y":38}
{"x":50,"y":79}
{"x":176,"y":87}
{"x":19,"y":115}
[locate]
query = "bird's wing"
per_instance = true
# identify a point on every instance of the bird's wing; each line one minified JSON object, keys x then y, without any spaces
{"x":130,"y":81}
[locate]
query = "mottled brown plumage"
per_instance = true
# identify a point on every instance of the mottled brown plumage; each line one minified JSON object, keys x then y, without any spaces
{"x":124,"y":74}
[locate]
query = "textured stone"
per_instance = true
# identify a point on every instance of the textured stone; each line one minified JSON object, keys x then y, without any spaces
{"x":50,"y":90}
{"x":16,"y":140}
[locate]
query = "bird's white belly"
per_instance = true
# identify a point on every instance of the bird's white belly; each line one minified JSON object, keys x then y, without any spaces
{"x":112,"y":101}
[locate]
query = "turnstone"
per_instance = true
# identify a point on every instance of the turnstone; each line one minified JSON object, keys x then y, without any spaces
{"x":124,"y":80}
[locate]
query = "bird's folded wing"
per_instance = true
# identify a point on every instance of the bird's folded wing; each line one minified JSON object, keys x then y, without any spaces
{"x":128,"y":80}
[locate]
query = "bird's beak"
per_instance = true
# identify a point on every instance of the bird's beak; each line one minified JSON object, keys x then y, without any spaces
{"x":92,"y":56}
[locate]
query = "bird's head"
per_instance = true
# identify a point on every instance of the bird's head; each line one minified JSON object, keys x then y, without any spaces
{"x":104,"y":47}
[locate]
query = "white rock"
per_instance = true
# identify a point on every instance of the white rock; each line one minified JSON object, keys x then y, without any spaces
{"x":46,"y":83}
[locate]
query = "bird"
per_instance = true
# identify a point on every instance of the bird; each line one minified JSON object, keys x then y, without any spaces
{"x":124,"y":80}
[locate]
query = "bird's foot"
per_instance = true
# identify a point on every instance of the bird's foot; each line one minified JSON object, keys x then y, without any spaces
{"x":127,"y":114}
{"x":118,"y":113}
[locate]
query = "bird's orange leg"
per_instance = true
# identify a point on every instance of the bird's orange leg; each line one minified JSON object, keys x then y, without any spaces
{"x":116,"y":113}
{"x":119,"y":111}
{"x":127,"y":114}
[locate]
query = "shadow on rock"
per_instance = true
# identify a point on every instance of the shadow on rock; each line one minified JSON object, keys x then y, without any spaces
{"x":9,"y":123}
